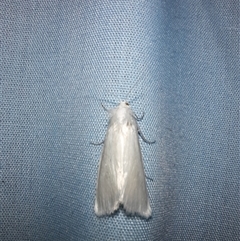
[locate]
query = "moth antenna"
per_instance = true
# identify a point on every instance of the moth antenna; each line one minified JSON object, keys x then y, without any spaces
{"x":134,"y":85}
{"x":116,"y":96}
{"x":131,"y":89}
{"x":107,"y":101}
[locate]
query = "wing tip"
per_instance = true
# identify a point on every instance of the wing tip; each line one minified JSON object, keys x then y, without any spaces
{"x":147,"y":213}
{"x":144,"y":213}
{"x":105,"y":211}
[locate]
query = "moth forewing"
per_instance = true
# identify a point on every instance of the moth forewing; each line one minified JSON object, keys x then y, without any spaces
{"x":121,"y":177}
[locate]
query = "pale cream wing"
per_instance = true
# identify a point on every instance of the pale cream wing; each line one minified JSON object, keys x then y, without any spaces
{"x":107,"y":193}
{"x":135,"y":195}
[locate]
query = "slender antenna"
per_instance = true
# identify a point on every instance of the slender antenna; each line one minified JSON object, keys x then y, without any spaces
{"x":116,"y":96}
{"x":131,"y":88}
{"x":134,"y":85}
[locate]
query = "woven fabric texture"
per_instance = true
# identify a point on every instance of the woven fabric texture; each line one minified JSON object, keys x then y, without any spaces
{"x":61,"y":59}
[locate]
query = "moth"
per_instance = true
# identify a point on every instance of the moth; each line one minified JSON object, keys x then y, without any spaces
{"x":121,"y":177}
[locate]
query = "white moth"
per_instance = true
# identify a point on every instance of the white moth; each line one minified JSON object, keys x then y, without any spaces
{"x":121,"y":177}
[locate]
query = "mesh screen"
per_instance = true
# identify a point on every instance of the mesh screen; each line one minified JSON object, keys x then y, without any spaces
{"x":61,"y":59}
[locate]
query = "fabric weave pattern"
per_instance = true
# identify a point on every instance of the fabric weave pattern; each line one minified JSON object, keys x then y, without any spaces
{"x":61,"y":59}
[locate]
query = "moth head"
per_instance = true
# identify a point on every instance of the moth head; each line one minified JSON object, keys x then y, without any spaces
{"x":124,"y":104}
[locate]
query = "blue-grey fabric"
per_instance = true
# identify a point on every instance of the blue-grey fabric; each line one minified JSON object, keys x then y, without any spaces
{"x":61,"y":59}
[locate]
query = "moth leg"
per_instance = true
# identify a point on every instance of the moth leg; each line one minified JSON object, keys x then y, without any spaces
{"x":144,"y":139}
{"x":97,"y":144}
{"x":104,"y":107}
{"x":149,"y":178}
{"x":139,"y":118}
